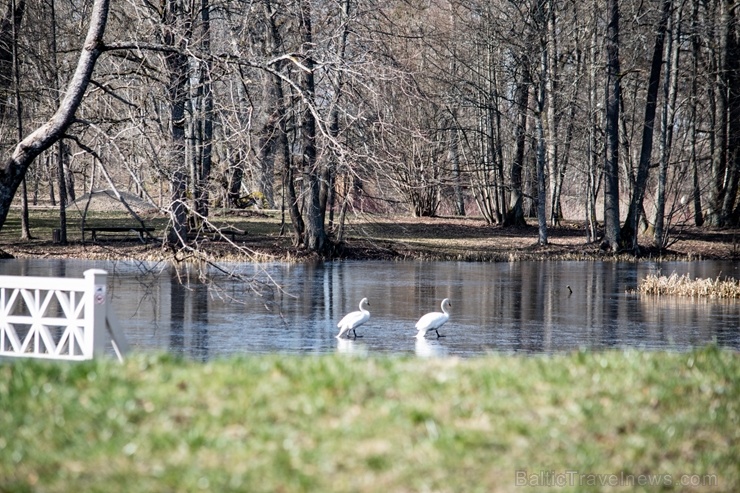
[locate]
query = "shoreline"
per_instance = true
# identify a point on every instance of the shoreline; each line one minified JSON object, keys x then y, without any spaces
{"x":391,"y":238}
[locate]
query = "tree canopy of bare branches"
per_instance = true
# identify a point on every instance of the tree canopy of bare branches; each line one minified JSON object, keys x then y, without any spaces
{"x":499,"y":108}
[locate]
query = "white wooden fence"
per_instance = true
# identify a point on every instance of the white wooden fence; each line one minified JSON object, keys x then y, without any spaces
{"x":58,"y":318}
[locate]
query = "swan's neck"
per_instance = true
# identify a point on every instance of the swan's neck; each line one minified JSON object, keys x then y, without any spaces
{"x":444,"y":309}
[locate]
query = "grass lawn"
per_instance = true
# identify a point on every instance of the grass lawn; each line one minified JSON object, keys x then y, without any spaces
{"x":604,"y":421}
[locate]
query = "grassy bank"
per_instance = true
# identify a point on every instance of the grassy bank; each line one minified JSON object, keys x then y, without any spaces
{"x":276,"y":423}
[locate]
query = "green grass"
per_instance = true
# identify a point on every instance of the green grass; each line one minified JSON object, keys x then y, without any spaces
{"x":332,"y":423}
{"x":43,"y":221}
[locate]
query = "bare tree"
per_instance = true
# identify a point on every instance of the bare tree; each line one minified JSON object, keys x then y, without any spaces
{"x":693,"y":113}
{"x":175,"y":34}
{"x":540,"y":146}
{"x":9,"y":24}
{"x":278,"y":123}
{"x":515,"y":213}
{"x":316,"y":239}
{"x":337,"y":79}
{"x":17,"y":14}
{"x":13,"y":168}
{"x":628,"y":233}
{"x":670,"y":91}
{"x":204,"y":124}
{"x":731,"y":203}
{"x":552,"y":118}
{"x":719,"y":155}
{"x":611,"y":165}
{"x":593,"y":169}
{"x":385,"y":106}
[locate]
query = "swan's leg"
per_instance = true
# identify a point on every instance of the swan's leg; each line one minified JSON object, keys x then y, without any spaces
{"x":438,"y":336}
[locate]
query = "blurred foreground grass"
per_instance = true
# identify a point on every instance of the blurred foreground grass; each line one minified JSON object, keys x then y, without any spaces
{"x":333,"y":423}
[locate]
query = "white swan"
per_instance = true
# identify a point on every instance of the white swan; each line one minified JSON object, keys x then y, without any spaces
{"x":433,"y":320}
{"x":353,"y":320}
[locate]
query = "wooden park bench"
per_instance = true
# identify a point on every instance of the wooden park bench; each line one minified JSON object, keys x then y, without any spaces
{"x":140,"y":230}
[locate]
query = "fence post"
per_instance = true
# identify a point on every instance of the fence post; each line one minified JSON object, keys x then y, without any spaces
{"x":96,"y":305}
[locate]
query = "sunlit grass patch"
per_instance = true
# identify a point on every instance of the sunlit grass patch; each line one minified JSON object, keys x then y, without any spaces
{"x":684,"y":285}
{"x":332,"y":423}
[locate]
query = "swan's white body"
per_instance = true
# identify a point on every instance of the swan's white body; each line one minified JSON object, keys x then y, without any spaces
{"x":353,"y":320}
{"x":433,"y":320}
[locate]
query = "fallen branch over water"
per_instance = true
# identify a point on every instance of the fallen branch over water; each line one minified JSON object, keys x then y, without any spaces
{"x":676,"y":285}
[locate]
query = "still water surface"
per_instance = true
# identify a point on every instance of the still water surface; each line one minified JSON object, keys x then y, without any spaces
{"x":522,"y":307}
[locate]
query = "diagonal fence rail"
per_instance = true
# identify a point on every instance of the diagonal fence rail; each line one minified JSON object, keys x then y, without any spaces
{"x":58,"y":318}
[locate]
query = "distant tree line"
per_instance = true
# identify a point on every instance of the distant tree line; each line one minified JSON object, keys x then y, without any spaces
{"x":496,"y":108}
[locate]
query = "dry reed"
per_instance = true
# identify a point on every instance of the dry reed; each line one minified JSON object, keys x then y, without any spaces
{"x":676,"y":285}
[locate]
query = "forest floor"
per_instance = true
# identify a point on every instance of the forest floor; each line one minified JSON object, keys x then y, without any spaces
{"x":262,"y":236}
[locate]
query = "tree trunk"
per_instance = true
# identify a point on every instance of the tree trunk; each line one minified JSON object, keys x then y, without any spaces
{"x":693,"y":135}
{"x":628,"y":234}
{"x":669,"y":92}
{"x":458,"y":202}
{"x":550,"y":73}
{"x":565,"y":153}
{"x":177,"y":65}
{"x":496,"y":148}
{"x":267,"y":142}
{"x":62,"y":185}
{"x":17,"y":15}
{"x":487,"y":176}
{"x":206,"y":137}
{"x":13,"y":168}
{"x":540,"y":146}
{"x":328,"y":193}
{"x":9,"y":25}
{"x":296,"y":220}
{"x":593,"y":177}
{"x":515,"y":214}
{"x":269,"y":134}
{"x":315,"y":235}
{"x":732,"y":176}
{"x":62,"y":193}
{"x":611,"y":164}
{"x":274,"y":41}
{"x":719,"y":157}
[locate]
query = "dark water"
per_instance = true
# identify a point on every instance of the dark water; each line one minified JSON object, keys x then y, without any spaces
{"x":522,"y":307}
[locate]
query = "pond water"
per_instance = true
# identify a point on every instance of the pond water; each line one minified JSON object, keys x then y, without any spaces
{"x":518,"y":307}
